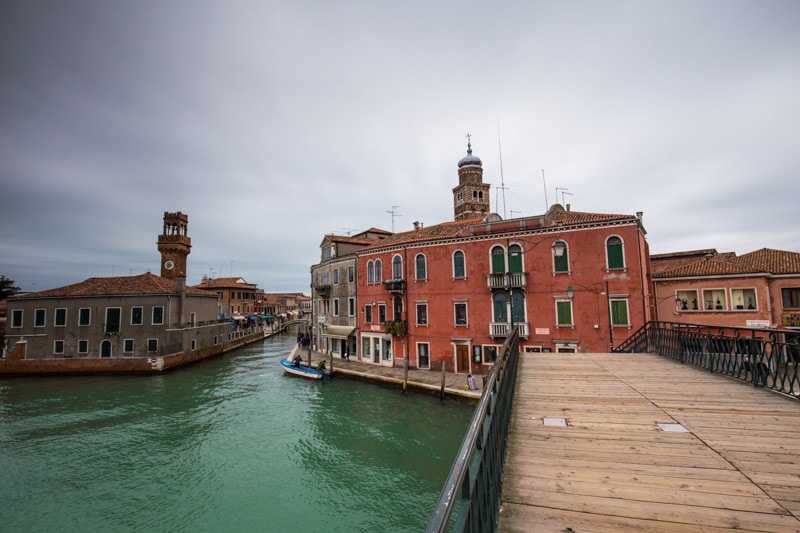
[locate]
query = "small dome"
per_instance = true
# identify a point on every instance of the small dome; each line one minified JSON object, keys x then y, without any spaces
{"x":469,"y":159}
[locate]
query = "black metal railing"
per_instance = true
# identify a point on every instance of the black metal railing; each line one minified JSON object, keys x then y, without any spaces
{"x":764,"y":357}
{"x":470,"y":499}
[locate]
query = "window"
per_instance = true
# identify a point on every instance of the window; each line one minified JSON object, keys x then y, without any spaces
{"x":378,"y":271}
{"x":517,"y":307}
{"x":744,"y":299}
{"x":397,"y":308}
{"x":60,"y":317}
{"x":460,"y":312}
{"x":335,"y":276}
{"x":336,"y":307}
{"x":368,"y":314}
{"x":84,"y":316}
{"x":137,"y":314}
{"x":158,"y":315}
{"x":381,"y":313}
{"x":420,"y":267}
{"x":563,"y":313}
{"x":113,"y":315}
{"x":423,"y":355}
{"x":370,"y":272}
{"x":127,"y":346}
{"x":686,"y":300}
{"x":561,"y":264}
{"x":422,"y":313}
{"x":351,"y":306}
{"x":39,"y":318}
{"x":326,"y":252}
{"x":351,"y":274}
{"x":619,"y":313}
{"x":790,"y":297}
{"x":16,"y":318}
{"x":514,"y":258}
{"x":105,"y":348}
{"x":58,"y":347}
{"x":614,"y":255}
{"x":459,"y":265}
{"x":498,"y":260}
{"x":489,"y":354}
{"x":714,"y":300}
{"x":193,"y":319}
{"x":500,"y":307}
{"x":397,"y":267}
{"x":152,"y":345}
{"x":83,"y":346}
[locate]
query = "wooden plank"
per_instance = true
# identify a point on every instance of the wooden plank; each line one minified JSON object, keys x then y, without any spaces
{"x":613,"y":469}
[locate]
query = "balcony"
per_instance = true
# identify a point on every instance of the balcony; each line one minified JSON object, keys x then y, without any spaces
{"x":503,"y":329}
{"x":323,"y":291}
{"x":516,"y":280}
{"x":395,"y":286}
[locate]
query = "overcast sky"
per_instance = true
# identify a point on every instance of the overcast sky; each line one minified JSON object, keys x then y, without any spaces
{"x":273,"y":123}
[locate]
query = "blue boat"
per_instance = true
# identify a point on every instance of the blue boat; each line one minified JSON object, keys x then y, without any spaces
{"x":303,"y":370}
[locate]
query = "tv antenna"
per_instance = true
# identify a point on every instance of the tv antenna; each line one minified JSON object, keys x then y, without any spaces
{"x":394,"y":214}
{"x":502,"y":181}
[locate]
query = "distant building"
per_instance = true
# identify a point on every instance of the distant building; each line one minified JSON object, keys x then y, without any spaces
{"x":117,"y":324}
{"x":237,"y":300}
{"x":760,"y":289}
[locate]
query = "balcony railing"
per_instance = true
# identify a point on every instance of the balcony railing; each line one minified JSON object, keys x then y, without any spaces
{"x":503,"y":329}
{"x":323,"y":291}
{"x":515,"y":280}
{"x":395,"y":285}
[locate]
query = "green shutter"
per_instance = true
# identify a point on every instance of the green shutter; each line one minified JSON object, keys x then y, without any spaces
{"x":564,"y":313}
{"x":619,"y":312}
{"x":498,"y":260}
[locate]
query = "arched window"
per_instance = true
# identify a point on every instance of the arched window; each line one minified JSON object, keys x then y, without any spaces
{"x":105,"y":348}
{"x":397,"y":267}
{"x":500,"y":307}
{"x":560,"y":264}
{"x":515,"y":258}
{"x":517,"y":307}
{"x":498,"y":260}
{"x":397,"y":307}
{"x":614,"y":256}
{"x":420,"y":267}
{"x":459,"y":265}
{"x":378,"y":271}
{"x":370,"y":272}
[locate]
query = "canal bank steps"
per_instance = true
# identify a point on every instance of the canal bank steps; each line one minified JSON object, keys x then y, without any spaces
{"x":429,"y":381}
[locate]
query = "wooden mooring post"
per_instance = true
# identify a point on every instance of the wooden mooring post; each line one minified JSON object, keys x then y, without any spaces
{"x":444,"y":372}
{"x":405,"y":374}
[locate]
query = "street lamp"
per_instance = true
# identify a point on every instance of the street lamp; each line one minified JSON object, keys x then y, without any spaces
{"x":571,"y":292}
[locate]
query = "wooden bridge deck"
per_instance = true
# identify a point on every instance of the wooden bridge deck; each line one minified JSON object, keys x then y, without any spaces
{"x":613,"y":469}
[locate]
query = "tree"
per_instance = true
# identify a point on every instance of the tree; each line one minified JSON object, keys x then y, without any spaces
{"x":7,"y":287}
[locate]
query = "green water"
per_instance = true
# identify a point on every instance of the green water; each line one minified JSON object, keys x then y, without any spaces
{"x":229,"y":444}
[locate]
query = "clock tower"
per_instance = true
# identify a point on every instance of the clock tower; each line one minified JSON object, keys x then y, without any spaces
{"x":174,"y":245}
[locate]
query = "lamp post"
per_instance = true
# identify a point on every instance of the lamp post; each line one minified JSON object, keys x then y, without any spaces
{"x":571,"y":292}
{"x":558,"y":249}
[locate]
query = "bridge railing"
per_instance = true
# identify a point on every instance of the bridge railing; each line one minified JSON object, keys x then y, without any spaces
{"x":470,"y":499}
{"x":764,"y":357}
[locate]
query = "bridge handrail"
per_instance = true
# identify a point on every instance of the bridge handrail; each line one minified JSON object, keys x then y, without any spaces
{"x":470,"y":494}
{"x":762,"y":356}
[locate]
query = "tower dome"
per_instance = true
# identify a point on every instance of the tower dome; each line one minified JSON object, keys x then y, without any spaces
{"x":469,"y":159}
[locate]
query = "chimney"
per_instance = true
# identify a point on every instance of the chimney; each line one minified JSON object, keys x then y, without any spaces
{"x":416,"y":225}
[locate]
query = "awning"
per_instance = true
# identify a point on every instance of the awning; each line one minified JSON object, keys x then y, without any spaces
{"x":341,"y":332}
{"x":238,"y":318}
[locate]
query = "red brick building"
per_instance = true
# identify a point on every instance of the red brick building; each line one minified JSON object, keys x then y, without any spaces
{"x":450,"y":293}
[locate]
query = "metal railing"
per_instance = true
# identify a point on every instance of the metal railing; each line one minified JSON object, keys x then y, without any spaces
{"x":470,"y":499}
{"x":764,"y":357}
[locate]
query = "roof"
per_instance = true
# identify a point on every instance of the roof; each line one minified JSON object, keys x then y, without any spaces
{"x":558,"y":215}
{"x":670,"y":261}
{"x":224,"y":283}
{"x":143,"y":284}
{"x":445,"y":230}
{"x":763,"y":261}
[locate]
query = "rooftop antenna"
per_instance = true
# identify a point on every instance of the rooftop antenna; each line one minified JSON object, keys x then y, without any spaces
{"x":562,"y":196}
{"x":394,"y":213}
{"x":544,"y":184}
{"x":502,"y":181}
{"x":347,"y":230}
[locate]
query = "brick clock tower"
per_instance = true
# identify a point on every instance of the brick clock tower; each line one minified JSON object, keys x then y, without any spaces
{"x":174,"y":245}
{"x":471,"y":196}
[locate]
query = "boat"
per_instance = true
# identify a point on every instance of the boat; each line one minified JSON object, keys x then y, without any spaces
{"x":303,"y":370}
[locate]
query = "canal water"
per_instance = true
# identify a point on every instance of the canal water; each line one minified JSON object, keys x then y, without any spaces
{"x":228,"y":444}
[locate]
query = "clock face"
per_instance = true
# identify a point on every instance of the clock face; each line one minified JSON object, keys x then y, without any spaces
{"x":168,"y":265}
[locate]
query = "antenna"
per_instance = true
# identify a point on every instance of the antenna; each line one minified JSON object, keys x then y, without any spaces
{"x":562,"y":196}
{"x":544,"y":183}
{"x":394,"y":213}
{"x":502,"y":181}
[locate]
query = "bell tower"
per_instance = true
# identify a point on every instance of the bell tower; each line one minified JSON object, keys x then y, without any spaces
{"x":174,"y":245}
{"x":471,"y":195}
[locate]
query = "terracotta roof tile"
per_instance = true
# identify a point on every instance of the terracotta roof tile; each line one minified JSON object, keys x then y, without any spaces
{"x":143,"y":284}
{"x":766,"y":261}
{"x":445,"y":230}
{"x":225,"y":283}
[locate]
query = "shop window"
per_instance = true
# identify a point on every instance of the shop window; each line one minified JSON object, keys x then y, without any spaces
{"x":714,"y":300}
{"x":687,"y":300}
{"x":744,"y":299}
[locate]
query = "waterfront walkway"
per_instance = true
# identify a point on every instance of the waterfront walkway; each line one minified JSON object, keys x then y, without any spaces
{"x":586,"y":452}
{"x":429,"y":381}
